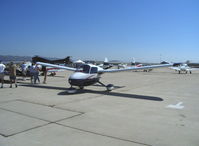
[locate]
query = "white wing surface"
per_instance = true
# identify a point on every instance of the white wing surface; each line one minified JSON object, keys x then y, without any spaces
{"x":194,"y":69}
{"x":57,"y":66}
{"x":175,"y":68}
{"x":136,"y":68}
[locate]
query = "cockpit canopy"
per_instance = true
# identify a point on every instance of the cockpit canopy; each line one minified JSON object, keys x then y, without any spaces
{"x":184,"y":65}
{"x":90,"y":69}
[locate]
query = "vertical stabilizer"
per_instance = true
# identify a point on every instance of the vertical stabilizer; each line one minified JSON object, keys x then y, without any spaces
{"x":106,"y":60}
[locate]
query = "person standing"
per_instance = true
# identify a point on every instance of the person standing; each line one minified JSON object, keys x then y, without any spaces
{"x":2,"y":68}
{"x":13,"y":74}
{"x":31,"y":70}
{"x":24,"y":70}
{"x":36,"y":74}
{"x":44,"y":70}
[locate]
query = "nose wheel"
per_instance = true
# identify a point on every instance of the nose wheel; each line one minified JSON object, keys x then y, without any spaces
{"x":81,"y":87}
{"x":72,"y":90}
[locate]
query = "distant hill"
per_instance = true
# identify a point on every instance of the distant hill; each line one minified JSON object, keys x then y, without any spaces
{"x":6,"y":58}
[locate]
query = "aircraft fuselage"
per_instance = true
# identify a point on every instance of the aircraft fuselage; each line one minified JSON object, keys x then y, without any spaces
{"x":82,"y":79}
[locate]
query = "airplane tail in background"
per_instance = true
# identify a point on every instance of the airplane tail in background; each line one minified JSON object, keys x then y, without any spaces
{"x":106,"y":60}
{"x":133,"y":60}
{"x":106,"y":64}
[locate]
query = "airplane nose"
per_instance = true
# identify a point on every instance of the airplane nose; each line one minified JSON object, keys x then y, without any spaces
{"x":76,"y":82}
{"x":77,"y":75}
{"x":76,"y":79}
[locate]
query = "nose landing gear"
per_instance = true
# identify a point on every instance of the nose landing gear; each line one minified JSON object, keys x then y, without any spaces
{"x":72,"y":90}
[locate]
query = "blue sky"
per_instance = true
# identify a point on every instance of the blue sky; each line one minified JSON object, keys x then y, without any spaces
{"x":94,"y":29}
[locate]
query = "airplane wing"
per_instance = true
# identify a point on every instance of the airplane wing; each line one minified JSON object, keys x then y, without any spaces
{"x":57,"y":66}
{"x":55,"y":70}
{"x":175,"y":68}
{"x":193,"y":69}
{"x":188,"y":69}
{"x":136,"y":68}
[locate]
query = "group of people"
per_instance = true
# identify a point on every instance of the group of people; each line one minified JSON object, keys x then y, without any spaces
{"x":34,"y":73}
{"x":12,"y":74}
{"x":32,"y":70}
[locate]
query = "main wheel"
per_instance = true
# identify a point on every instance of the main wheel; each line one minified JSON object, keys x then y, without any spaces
{"x":110,"y":87}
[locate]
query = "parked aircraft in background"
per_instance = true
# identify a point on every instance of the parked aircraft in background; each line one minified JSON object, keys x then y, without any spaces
{"x":91,"y":74}
{"x":66,"y":60}
{"x":194,"y":65}
{"x":183,"y":68}
{"x":106,"y":64}
{"x":137,"y":64}
{"x":52,"y":70}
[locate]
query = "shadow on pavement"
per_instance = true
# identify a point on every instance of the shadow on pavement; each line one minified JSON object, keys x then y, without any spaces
{"x":112,"y":93}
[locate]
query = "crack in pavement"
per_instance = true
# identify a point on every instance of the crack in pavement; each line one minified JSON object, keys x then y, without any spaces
{"x":104,"y":135}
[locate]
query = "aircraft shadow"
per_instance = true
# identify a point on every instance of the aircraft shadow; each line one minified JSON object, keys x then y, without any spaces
{"x":56,"y":76}
{"x":112,"y":93}
{"x":116,"y":87}
{"x":42,"y":86}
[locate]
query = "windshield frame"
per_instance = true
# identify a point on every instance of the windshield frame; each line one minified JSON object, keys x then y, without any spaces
{"x":86,"y":69}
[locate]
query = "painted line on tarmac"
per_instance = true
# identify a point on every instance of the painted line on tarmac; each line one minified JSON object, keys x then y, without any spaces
{"x":176,"y":106}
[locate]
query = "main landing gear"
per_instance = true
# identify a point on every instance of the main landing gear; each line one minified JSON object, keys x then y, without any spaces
{"x":179,"y":72}
{"x":72,"y":90}
{"x":109,"y":87}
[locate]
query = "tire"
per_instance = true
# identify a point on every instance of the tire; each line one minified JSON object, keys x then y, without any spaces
{"x":72,"y":90}
{"x":110,"y":87}
{"x":81,"y":87}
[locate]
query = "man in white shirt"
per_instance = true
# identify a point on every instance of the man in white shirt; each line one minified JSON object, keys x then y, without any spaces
{"x":24,"y":70}
{"x":2,"y":68}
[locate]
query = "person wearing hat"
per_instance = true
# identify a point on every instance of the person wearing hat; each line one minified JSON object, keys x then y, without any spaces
{"x":2,"y":68}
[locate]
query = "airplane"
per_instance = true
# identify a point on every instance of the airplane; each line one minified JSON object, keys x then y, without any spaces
{"x":106,"y":64}
{"x":53,"y":70}
{"x":182,"y":67}
{"x":90,"y":74}
{"x":66,"y":60}
{"x":137,"y":64}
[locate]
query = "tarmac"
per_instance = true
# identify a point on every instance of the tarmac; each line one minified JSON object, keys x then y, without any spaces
{"x":157,"y":108}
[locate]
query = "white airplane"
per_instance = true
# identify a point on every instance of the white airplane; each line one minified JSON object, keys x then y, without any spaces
{"x":105,"y":64}
{"x":184,"y":68}
{"x":91,"y":74}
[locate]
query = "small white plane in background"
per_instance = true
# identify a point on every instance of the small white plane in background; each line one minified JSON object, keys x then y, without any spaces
{"x":105,"y":64}
{"x":91,"y":74}
{"x":184,"y":68}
